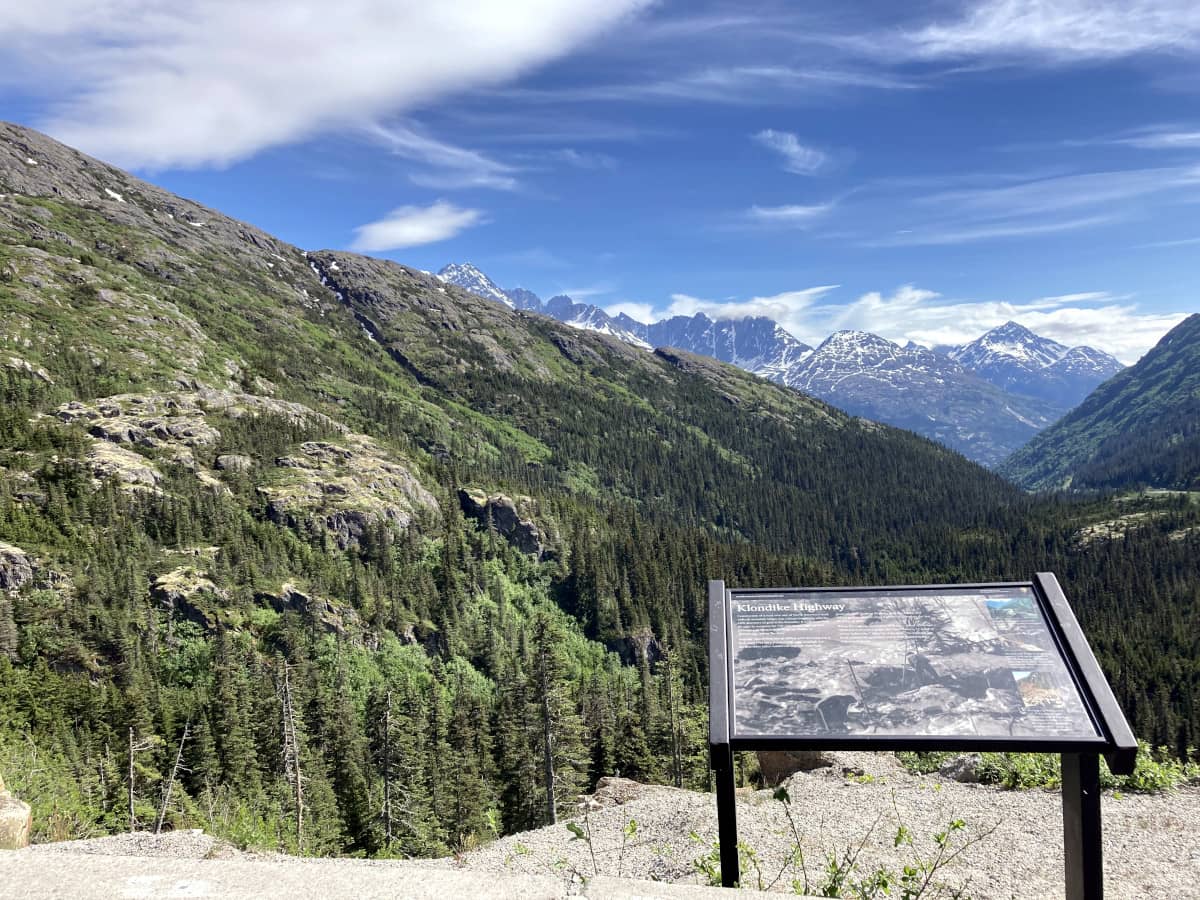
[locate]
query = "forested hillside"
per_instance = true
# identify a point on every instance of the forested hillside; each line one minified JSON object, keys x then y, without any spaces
{"x":1139,"y":429}
{"x":389,"y":562}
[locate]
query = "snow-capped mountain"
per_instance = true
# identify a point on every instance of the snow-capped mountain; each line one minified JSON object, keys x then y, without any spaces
{"x":985,"y":398}
{"x":754,"y":343}
{"x":1008,"y":348}
{"x":593,"y":318}
{"x":1015,"y":359}
{"x":465,"y":275}
{"x":912,"y":387}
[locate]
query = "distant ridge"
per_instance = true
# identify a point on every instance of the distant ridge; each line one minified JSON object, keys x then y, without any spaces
{"x":984,"y":399}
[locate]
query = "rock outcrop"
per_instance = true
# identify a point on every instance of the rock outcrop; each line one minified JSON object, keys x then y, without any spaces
{"x":16,"y":821}
{"x":346,"y":488}
{"x":512,"y":519}
{"x":16,"y":570}
{"x":777,"y":765}
{"x":331,"y":617}
{"x":190,"y":594}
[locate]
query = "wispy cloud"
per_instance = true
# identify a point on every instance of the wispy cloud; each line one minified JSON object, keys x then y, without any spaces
{"x":945,"y":235}
{"x":450,"y":166}
{"x":157,"y":83}
{"x":783,"y":307}
{"x":1181,"y":242}
{"x":411,"y":226}
{"x":798,"y":158}
{"x":1057,"y":31}
{"x":586,"y":292}
{"x":1164,"y":139}
{"x":576,"y":159}
{"x":788,"y":216}
{"x":749,"y":85}
{"x":1035,"y":206}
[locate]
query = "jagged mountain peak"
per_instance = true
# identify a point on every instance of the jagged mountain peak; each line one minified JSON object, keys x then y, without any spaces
{"x":1010,"y":343}
{"x":470,"y":278}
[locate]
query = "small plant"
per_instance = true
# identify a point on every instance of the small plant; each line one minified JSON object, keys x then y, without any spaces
{"x":1156,"y":770}
{"x":584,"y":833}
{"x":919,"y":877}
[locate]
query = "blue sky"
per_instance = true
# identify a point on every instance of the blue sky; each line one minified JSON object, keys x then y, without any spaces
{"x":924,"y":171}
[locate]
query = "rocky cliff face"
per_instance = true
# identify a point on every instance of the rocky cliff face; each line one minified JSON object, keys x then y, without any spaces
{"x":513,"y":519}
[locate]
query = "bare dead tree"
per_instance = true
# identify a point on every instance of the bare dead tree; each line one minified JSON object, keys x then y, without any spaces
{"x":291,"y":755}
{"x":135,"y":747}
{"x":175,"y":770}
{"x":387,"y":772}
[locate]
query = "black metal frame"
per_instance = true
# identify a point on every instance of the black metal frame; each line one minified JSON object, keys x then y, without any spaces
{"x":1080,"y":758}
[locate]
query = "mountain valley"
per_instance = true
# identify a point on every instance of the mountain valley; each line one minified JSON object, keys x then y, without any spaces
{"x":370,"y":553}
{"x":984,"y":399}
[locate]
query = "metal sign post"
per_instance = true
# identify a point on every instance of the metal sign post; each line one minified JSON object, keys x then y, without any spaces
{"x":718,"y":735}
{"x":1001,"y":666}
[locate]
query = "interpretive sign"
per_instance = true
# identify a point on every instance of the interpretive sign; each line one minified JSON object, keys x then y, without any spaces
{"x":935,"y":667}
{"x":966,"y":662}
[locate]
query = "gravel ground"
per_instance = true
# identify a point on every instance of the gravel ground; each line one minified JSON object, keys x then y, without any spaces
{"x":1151,"y":843}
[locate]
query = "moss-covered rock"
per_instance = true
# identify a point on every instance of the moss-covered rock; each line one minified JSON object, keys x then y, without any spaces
{"x":190,"y":594}
{"x":345,"y":487}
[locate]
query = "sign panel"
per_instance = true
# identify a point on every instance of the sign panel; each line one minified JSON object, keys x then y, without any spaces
{"x":949,"y":662}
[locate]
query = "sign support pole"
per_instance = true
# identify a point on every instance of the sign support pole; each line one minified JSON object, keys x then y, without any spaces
{"x":722,"y":758}
{"x":718,"y":733}
{"x":1082,"y":848}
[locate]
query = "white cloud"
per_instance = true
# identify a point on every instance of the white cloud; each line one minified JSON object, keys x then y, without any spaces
{"x":159,"y":83}
{"x":409,"y":226}
{"x":580,"y":294}
{"x":1058,"y":30}
{"x":582,"y":159}
{"x":793,"y":215}
{"x":783,"y":308}
{"x":798,"y":158}
{"x":967,"y":233}
{"x":642,"y":312}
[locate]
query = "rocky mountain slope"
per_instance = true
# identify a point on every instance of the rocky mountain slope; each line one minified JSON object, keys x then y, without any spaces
{"x":1142,"y":428}
{"x":983,"y":399}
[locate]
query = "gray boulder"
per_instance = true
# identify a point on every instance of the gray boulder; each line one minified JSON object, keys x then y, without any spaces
{"x":16,"y":570}
{"x":963,"y":768}
{"x":776,"y":765}
{"x":16,"y":821}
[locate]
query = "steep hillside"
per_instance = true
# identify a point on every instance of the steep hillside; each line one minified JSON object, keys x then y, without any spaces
{"x":1141,"y":429}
